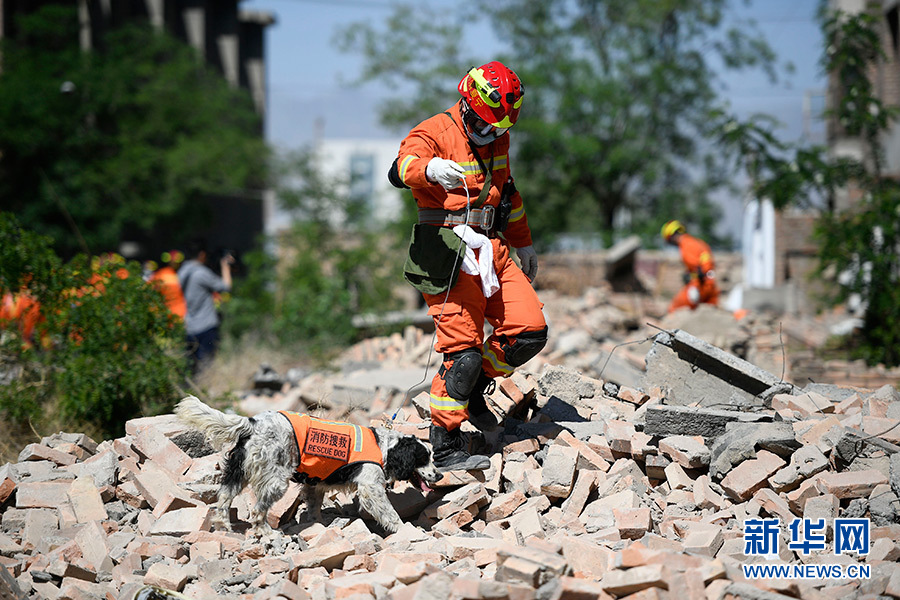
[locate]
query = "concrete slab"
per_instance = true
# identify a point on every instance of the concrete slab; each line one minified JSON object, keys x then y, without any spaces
{"x":665,"y":420}
{"x":358,"y":387}
{"x":698,"y":373}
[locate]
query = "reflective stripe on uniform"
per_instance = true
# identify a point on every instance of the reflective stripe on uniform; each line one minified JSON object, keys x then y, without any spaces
{"x":447,"y":403}
{"x":357,"y":447}
{"x":517,"y":214}
{"x":404,"y":165}
{"x":498,"y":364}
{"x":471,"y":167}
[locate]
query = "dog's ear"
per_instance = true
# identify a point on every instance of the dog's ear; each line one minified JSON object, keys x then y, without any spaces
{"x":401,"y":460}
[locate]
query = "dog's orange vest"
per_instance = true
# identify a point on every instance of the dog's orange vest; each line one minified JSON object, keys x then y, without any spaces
{"x":326,"y":446}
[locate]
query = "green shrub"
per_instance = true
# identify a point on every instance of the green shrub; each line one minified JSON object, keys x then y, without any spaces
{"x":325,"y":278}
{"x":106,"y":350}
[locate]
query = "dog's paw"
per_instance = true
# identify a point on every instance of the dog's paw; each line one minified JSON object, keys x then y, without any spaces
{"x":263,"y":530}
{"x":218,"y":524}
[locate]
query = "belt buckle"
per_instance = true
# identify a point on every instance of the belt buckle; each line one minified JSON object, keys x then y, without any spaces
{"x":487,"y":218}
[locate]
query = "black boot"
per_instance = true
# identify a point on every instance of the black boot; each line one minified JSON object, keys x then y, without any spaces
{"x":479,"y":414}
{"x":449,"y":454}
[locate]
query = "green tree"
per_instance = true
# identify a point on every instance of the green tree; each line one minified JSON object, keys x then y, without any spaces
{"x":859,"y":246}
{"x":331,"y":265}
{"x":124,"y":138}
{"x":621,"y":99}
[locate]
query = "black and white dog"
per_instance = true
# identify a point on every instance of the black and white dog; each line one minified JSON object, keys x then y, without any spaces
{"x":267,"y":451}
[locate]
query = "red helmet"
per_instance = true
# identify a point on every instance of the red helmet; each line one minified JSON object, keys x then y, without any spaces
{"x":494,"y":92}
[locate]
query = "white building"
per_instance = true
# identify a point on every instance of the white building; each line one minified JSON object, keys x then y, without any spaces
{"x":359,"y":167}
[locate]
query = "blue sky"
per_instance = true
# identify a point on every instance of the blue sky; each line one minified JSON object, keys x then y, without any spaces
{"x":308,"y":76}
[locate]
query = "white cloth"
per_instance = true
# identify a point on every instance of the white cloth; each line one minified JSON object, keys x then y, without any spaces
{"x":484,"y":264}
{"x":693,"y":295}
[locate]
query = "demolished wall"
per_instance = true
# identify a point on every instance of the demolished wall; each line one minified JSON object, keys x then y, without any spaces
{"x":595,"y":490}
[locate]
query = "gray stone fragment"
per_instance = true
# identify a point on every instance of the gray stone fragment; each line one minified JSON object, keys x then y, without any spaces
{"x":79,"y":439}
{"x":882,"y":503}
{"x":568,"y":385}
{"x":805,"y":462}
{"x":809,"y":460}
{"x":8,"y":471}
{"x":696,"y":372}
{"x":741,"y":440}
{"x":687,"y":451}
{"x":895,"y":473}
{"x":267,"y":378}
{"x":9,"y":588}
{"x":835,"y":393}
{"x":747,"y":591}
{"x":665,"y":420}
{"x":856,"y":509}
{"x":102,"y":468}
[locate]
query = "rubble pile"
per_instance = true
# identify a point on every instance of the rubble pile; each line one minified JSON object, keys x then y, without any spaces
{"x":596,"y":490}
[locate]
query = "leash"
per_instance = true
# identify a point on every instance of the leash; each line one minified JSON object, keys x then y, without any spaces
{"x":406,"y":396}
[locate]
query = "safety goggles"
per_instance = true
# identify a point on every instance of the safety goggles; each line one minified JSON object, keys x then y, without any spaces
{"x":482,"y":127}
{"x":479,"y":127}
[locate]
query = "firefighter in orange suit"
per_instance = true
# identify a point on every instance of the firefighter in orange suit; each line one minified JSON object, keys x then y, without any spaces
{"x":470,"y":214}
{"x":166,"y":278}
{"x":700,"y":285}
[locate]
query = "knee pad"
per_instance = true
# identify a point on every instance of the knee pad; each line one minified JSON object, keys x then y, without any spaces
{"x":526,"y":347}
{"x":461,"y":377}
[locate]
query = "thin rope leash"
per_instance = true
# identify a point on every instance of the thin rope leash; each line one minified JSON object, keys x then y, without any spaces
{"x":406,"y":395}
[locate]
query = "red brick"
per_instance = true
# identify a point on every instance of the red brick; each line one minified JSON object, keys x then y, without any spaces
{"x":632,"y":395}
{"x":171,"y":577}
{"x":588,"y":458}
{"x":86,"y":501}
{"x":632,"y":523}
{"x":886,"y":429}
{"x":689,"y":452}
{"x":851,"y":484}
{"x":503,"y":505}
{"x":588,"y":560}
{"x":572,"y":588}
{"x":7,"y":486}
{"x":40,"y":452}
{"x":704,"y":542}
{"x":620,"y":583}
{"x":43,"y":494}
{"x":751,"y":475}
{"x":618,"y":434}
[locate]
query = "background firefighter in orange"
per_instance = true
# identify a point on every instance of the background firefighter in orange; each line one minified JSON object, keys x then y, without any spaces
{"x":470,"y":214}
{"x":700,"y":285}
{"x":166,"y":277}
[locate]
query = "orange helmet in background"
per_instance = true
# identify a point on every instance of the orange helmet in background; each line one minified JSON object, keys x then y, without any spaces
{"x":494,"y":92}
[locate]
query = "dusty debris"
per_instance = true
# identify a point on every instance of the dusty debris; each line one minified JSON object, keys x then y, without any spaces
{"x":597,"y":489}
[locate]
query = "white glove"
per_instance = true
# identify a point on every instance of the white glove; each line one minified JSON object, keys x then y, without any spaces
{"x":445,"y":172}
{"x":528,"y":258}
{"x":693,"y":295}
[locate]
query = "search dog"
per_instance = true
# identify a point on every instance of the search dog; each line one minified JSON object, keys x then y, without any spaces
{"x":266,"y":452}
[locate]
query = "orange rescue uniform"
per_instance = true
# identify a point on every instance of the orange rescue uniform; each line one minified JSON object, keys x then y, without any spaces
{"x":698,"y":260}
{"x":166,"y":280}
{"x":327,"y":446}
{"x":511,"y":311}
